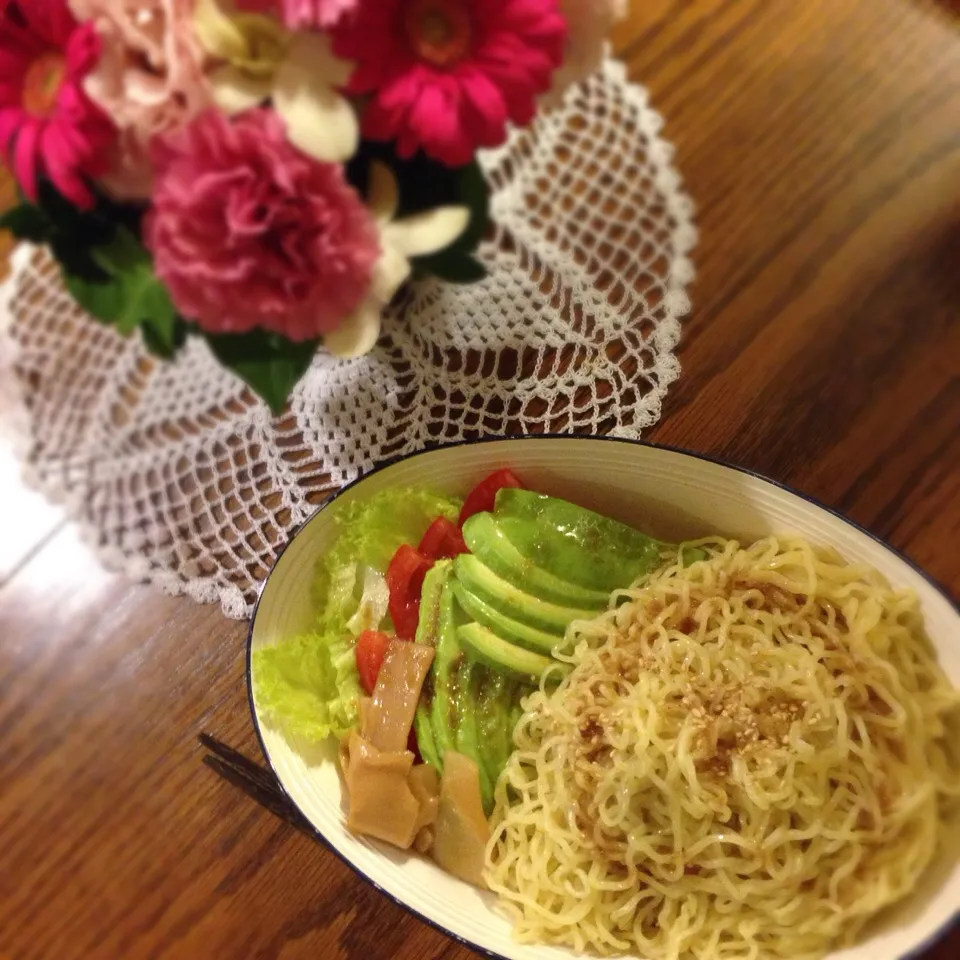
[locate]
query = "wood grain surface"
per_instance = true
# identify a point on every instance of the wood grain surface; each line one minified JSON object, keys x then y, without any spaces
{"x":821,"y":143}
{"x":8,"y":196}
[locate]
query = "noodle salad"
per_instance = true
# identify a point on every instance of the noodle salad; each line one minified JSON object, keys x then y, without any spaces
{"x":680,"y":752}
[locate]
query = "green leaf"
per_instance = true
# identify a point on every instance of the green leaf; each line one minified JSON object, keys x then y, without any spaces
{"x":144,"y":299}
{"x":82,"y":224}
{"x":158,"y":316}
{"x":106,"y":268}
{"x":128,"y":294}
{"x":475,"y":194}
{"x":76,"y":259}
{"x":26,"y":222}
{"x":103,"y":299}
{"x":124,"y":253}
{"x":163,"y":337}
{"x":129,"y":215}
{"x":309,"y":685}
{"x":454,"y":267}
{"x":76,"y":235}
{"x":369,"y":533}
{"x":424,"y":185}
{"x":269,"y":364}
{"x":456,"y":264}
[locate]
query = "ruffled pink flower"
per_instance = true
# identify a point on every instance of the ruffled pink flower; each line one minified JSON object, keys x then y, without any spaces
{"x":316,"y":14}
{"x":149,"y":81}
{"x":445,"y":75}
{"x":48,"y":125}
{"x":246,"y":231}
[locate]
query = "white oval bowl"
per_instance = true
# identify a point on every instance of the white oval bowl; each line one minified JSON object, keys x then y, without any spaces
{"x":668,"y":493}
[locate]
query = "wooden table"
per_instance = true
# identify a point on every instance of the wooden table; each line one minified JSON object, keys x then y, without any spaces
{"x":821,"y":141}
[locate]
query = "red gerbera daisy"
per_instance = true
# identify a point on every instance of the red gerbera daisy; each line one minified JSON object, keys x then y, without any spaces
{"x":447,"y":75}
{"x":48,"y":125}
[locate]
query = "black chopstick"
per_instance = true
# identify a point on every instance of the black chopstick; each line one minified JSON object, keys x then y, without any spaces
{"x":255,"y":781}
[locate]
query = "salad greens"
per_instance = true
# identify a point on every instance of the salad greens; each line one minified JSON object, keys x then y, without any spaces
{"x":466,"y":705}
{"x":370,"y":534}
{"x":521,"y":568}
{"x":309,"y":684}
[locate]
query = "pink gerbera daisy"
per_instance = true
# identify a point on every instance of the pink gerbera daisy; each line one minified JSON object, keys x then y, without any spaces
{"x":48,"y":125}
{"x":447,"y":75}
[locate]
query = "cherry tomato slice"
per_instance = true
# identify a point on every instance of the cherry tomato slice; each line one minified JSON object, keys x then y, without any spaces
{"x":443,"y":539}
{"x":405,"y":582}
{"x":483,"y":496}
{"x":370,"y":650}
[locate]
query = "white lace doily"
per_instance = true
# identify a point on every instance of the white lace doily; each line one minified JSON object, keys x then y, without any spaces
{"x":178,"y":475}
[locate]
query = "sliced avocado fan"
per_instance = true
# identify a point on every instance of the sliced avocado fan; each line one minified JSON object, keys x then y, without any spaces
{"x":496,"y":615}
{"x":576,"y":545}
{"x":536,"y":565}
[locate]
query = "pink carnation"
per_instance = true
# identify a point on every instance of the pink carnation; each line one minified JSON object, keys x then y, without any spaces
{"x":149,"y":80}
{"x":247,"y":232}
{"x":320,"y":14}
{"x":446,"y":76}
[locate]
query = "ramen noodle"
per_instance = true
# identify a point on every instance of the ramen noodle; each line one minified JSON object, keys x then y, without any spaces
{"x":751,"y":757}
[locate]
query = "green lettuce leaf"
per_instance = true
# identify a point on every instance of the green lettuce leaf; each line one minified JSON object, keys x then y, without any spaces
{"x":370,"y":535}
{"x":309,"y":684}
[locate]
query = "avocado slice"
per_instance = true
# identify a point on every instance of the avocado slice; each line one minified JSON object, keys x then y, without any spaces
{"x":530,"y":638}
{"x":690,"y":555}
{"x":428,"y":628}
{"x":424,"y":732}
{"x":500,"y":654}
{"x":495,"y":697}
{"x":514,"y":602}
{"x":469,"y":677}
{"x":516,"y":712}
{"x":428,"y":634}
{"x":449,"y":715}
{"x":494,"y":617}
{"x":445,"y":701}
{"x":488,"y":542}
{"x":573,"y":543}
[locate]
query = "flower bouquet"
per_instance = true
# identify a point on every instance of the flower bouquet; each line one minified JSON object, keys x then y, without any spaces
{"x":267,"y":174}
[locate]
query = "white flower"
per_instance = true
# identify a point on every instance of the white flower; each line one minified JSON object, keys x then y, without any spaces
{"x":414,"y":236}
{"x":297,"y":71}
{"x":589,"y":23}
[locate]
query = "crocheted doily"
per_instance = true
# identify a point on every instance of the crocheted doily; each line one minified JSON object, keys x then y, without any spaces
{"x":178,"y":475}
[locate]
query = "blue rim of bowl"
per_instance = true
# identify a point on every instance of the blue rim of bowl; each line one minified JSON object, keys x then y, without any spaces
{"x":915,"y":953}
